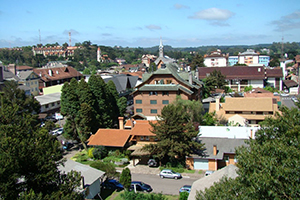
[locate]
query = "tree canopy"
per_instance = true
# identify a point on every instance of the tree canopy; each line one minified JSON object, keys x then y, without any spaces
{"x":268,"y":167}
{"x":29,"y":154}
{"x":175,"y":133}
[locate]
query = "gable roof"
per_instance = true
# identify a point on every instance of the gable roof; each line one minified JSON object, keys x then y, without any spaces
{"x":25,"y":74}
{"x":290,"y":83}
{"x":142,"y":128}
{"x":224,"y":145}
{"x":249,"y":104}
{"x":229,"y":171}
{"x":57,"y":73}
{"x":122,"y":81}
{"x":110,"y":137}
{"x":242,"y":72}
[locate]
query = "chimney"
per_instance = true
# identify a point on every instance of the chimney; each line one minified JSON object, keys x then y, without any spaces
{"x":215,"y":150}
{"x":121,"y":124}
{"x":217,"y":104}
{"x":190,"y":78}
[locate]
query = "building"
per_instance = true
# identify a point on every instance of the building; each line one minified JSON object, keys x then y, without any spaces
{"x":215,"y":59}
{"x":58,"y":51}
{"x":250,"y":58}
{"x":56,"y":76}
{"x":253,"y":110}
{"x":148,"y":59}
{"x":50,"y":103}
{"x":162,"y":59}
{"x":30,"y":79}
{"x":238,"y":77}
{"x":161,"y":87}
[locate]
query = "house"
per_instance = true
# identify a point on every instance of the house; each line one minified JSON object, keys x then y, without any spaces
{"x":215,"y":59}
{"x":260,"y":92}
{"x":253,"y":109}
{"x":56,"y":76}
{"x":218,"y":153}
{"x":238,"y":77}
{"x":291,"y":86}
{"x":30,"y":79}
{"x":50,"y":103}
{"x":250,"y":58}
{"x":147,"y":59}
{"x":91,"y":177}
{"x":229,"y":171}
{"x":160,"y":88}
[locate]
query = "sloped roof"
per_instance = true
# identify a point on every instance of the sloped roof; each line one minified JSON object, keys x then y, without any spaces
{"x":248,"y":104}
{"x":25,"y":74}
{"x":9,"y":76}
{"x":229,"y":171}
{"x":58,"y":73}
{"x":110,"y":137}
{"x":259,"y":92}
{"x":224,"y":145}
{"x":290,"y":83}
{"x":276,"y":72}
{"x":234,"y":72}
{"x":142,"y":128}
{"x":90,"y":174}
{"x":164,"y":87}
{"x":122,"y":81}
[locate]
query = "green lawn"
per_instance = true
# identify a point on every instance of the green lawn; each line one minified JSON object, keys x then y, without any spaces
{"x":106,"y":195}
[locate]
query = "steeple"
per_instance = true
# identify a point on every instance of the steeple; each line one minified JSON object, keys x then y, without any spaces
{"x":98,"y":54}
{"x":161,"y":49}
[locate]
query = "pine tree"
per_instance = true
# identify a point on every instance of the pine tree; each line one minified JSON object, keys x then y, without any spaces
{"x":125,"y":178}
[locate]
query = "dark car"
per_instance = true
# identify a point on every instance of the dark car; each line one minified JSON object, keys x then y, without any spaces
{"x":185,"y":188}
{"x":140,"y":186}
{"x":112,"y":184}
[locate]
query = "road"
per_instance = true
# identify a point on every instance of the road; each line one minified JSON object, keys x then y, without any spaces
{"x":287,"y":101}
{"x":164,"y":186}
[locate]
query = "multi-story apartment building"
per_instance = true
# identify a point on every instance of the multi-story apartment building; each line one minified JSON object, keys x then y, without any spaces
{"x":250,"y":58}
{"x":54,"y":51}
{"x":161,"y":87}
{"x":215,"y":59}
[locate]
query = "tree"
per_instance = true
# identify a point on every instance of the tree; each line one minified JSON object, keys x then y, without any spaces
{"x":29,"y":154}
{"x":215,"y":80}
{"x":125,"y":178}
{"x":175,"y":133}
{"x":198,"y":61}
{"x":122,"y":105}
{"x":269,"y":164}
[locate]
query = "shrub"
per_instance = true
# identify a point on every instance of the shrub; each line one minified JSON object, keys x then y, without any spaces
{"x":125,"y":178}
{"x":183,"y":196}
{"x":100,"y":152}
{"x":108,"y":168}
{"x":152,"y":196}
{"x":90,"y":152}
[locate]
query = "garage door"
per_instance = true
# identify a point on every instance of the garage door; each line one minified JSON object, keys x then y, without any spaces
{"x":200,"y":164}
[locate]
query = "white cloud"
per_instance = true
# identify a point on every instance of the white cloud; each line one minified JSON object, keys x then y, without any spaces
{"x":213,"y":14}
{"x":287,"y":22}
{"x":153,"y":27}
{"x":180,"y":6}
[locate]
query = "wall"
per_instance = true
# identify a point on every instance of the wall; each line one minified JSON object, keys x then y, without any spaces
{"x":228,"y":132}
{"x":256,"y":83}
{"x":212,"y":164}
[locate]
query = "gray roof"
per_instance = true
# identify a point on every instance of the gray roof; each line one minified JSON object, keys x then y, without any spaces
{"x":230,"y":171}
{"x":48,"y":98}
{"x":90,"y":174}
{"x":123,"y":82}
{"x":165,"y":60}
{"x":165,"y":87}
{"x":25,"y":74}
{"x":224,"y":145}
{"x":9,"y":76}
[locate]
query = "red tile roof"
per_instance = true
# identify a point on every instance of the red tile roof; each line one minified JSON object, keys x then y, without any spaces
{"x":142,"y":127}
{"x":58,"y":73}
{"x":110,"y":137}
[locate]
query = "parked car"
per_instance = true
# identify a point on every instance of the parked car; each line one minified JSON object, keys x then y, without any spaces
{"x":295,"y":99}
{"x":185,"y":188}
{"x":284,"y":94}
{"x":208,"y":172}
{"x":140,"y":186}
{"x":112,"y":184}
{"x":168,"y":173}
{"x":152,"y":163}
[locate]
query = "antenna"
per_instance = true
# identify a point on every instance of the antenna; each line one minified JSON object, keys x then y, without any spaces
{"x":70,"y":39}
{"x":282,"y":53}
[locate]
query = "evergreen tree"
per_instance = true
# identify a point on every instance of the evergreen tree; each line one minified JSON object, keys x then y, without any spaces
{"x":125,"y":178}
{"x":175,"y":133}
{"x":29,"y":155}
{"x":215,"y":80}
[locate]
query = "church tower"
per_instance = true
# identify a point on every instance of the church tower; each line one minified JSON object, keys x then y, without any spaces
{"x":161,"y":49}
{"x":99,"y":54}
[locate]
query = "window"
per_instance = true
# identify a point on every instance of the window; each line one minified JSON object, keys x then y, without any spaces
{"x":235,"y":159}
{"x":142,"y":137}
{"x":169,"y":81}
{"x":46,"y":106}
{"x":53,"y":104}
{"x":165,"y":93}
{"x":147,"y":138}
{"x":139,"y":110}
{"x":165,"y":101}
{"x":153,"y":111}
{"x":153,"y":102}
{"x":138,"y":101}
{"x":226,"y":158}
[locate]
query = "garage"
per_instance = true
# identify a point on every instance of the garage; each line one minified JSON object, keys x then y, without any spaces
{"x":200,"y":164}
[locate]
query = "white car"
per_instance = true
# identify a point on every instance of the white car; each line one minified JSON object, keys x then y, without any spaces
{"x":168,"y":173}
{"x":295,"y":99}
{"x":284,"y":95}
{"x":57,"y":131}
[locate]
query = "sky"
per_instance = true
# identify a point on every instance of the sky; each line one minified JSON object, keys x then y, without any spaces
{"x":142,"y":23}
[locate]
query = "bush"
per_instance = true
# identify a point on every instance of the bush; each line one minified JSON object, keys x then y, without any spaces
{"x":108,"y":168}
{"x":183,"y":196}
{"x":125,"y":178}
{"x":100,"y":152}
{"x":90,"y":152}
{"x":152,"y":196}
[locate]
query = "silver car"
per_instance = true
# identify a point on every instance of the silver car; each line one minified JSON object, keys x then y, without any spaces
{"x":168,"y":173}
